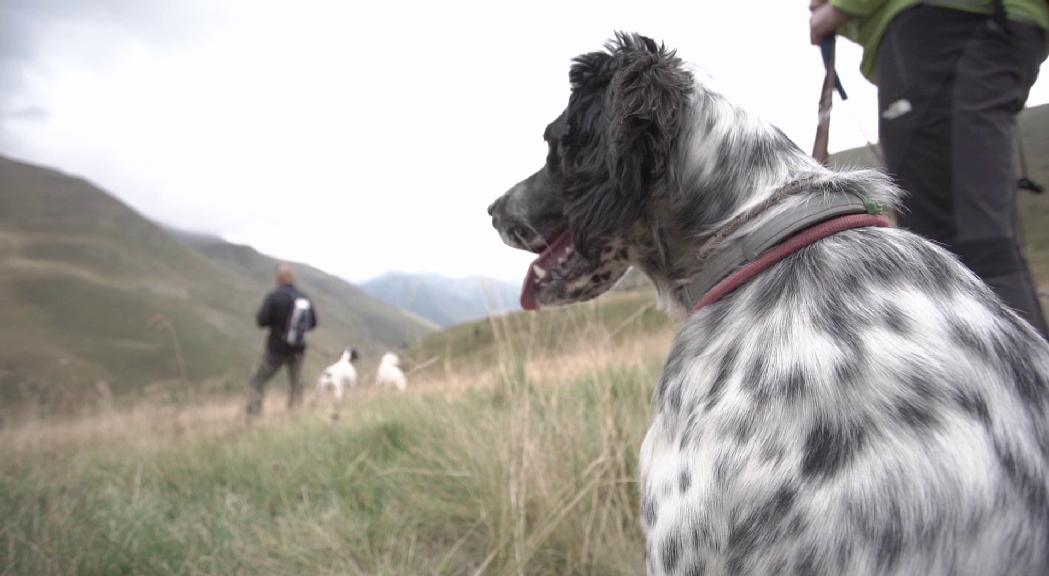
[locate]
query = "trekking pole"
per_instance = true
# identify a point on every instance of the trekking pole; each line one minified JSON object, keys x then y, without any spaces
{"x":830,"y":83}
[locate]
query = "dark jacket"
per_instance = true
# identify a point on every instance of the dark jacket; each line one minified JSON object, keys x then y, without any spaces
{"x":274,"y":314}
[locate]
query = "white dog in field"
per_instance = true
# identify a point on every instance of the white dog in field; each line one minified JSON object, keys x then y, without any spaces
{"x":339,"y":377}
{"x":389,"y":372}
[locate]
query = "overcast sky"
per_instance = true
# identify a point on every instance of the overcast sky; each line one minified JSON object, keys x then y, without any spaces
{"x":361,"y":137}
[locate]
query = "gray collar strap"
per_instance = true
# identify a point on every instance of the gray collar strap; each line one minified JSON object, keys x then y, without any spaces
{"x":726,"y":260}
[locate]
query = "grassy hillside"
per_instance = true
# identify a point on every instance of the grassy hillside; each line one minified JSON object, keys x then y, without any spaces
{"x":95,"y":299}
{"x":615,"y":317}
{"x":344,"y":309}
{"x":1034,"y":208}
{"x":83,"y":275}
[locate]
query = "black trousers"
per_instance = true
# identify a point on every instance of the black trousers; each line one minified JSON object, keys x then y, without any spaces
{"x":268,"y":366}
{"x":950,"y":85}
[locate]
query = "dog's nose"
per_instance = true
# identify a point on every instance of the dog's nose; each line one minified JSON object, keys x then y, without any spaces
{"x":491,"y":207}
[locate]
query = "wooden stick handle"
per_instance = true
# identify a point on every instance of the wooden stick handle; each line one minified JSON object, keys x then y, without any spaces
{"x":819,"y":148}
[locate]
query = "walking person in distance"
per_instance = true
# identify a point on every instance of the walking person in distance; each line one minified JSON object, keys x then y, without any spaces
{"x":289,"y":314}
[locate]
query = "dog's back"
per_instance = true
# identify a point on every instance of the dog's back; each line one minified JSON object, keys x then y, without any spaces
{"x":865,"y":407}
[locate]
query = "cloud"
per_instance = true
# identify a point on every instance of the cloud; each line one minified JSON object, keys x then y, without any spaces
{"x":84,"y":32}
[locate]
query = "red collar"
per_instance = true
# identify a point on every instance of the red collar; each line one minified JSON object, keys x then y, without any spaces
{"x":786,"y":248}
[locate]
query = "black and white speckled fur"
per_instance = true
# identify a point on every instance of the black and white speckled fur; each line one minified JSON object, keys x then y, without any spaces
{"x":865,"y":406}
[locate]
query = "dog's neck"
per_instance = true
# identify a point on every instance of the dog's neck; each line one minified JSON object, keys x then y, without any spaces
{"x":727,"y":162}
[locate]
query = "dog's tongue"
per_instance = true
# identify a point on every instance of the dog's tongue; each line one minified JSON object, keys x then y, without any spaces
{"x":528,"y":301}
{"x":561,"y":242}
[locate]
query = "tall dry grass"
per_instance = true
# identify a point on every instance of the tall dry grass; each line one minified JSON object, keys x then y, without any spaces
{"x":527,"y":466}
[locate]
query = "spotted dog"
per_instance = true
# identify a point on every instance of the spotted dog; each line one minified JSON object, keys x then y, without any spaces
{"x":865,"y":405}
{"x":340,"y":377}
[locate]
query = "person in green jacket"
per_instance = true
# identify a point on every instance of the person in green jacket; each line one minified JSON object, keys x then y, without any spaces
{"x":952,"y":75}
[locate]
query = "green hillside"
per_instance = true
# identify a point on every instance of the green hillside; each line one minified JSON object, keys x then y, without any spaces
{"x":94,"y":297}
{"x":344,"y":310}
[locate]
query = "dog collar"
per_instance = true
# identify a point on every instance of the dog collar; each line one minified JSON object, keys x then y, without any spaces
{"x":782,"y":236}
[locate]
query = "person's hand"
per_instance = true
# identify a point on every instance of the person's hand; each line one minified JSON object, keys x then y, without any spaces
{"x":825,"y":20}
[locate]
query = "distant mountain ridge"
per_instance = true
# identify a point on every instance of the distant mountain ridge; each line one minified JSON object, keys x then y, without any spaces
{"x":443,"y":300}
{"x":93,"y":296}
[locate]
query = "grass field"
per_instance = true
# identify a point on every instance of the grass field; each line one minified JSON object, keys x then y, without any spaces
{"x":521,"y":463}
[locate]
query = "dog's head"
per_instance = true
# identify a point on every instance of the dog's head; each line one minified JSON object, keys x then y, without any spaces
{"x":608,"y":151}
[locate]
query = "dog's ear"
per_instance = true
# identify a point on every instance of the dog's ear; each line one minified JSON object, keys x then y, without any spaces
{"x":632,"y":96}
{"x":591,"y":71}
{"x":647,"y":94}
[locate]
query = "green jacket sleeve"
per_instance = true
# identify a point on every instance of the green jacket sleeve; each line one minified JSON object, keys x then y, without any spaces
{"x":869,"y":20}
{"x":858,"y":8}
